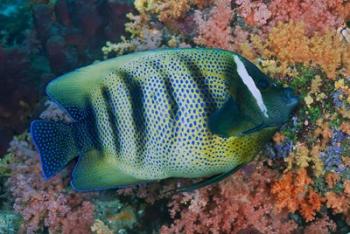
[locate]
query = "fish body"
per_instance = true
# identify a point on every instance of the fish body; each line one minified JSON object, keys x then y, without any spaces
{"x":159,"y":114}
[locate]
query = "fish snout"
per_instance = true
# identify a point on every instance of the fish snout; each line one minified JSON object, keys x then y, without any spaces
{"x":290,"y":98}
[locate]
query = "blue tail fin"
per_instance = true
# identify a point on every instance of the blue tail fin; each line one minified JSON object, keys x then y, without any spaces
{"x":55,"y":143}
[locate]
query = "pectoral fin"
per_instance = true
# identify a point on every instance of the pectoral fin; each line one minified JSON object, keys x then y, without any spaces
{"x":255,"y":129}
{"x":222,"y":120}
{"x":97,"y":171}
{"x":230,"y":121}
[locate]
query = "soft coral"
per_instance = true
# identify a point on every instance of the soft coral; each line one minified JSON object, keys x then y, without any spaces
{"x":293,"y":191}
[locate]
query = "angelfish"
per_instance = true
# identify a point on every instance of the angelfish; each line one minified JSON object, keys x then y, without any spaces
{"x":157,"y":114}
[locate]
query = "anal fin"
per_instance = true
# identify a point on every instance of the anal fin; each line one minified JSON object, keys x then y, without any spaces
{"x":97,"y":171}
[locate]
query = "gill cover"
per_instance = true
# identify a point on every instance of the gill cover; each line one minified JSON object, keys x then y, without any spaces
{"x":245,"y":112}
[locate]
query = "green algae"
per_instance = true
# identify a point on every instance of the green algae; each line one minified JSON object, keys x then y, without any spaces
{"x":5,"y":162}
{"x":9,"y":222}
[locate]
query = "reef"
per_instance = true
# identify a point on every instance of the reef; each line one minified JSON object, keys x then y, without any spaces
{"x":300,"y":183}
{"x":40,"y":40}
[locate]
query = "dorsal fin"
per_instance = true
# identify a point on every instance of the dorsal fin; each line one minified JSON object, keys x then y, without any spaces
{"x":72,"y":90}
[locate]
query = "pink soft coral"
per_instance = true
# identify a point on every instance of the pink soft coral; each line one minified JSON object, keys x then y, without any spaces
{"x":254,"y":12}
{"x":319,"y":16}
{"x":241,"y":202}
{"x":215,"y":32}
{"x":321,"y":226}
{"x":45,"y":204}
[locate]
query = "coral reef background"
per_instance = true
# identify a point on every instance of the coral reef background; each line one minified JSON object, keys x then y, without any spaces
{"x":299,"y":184}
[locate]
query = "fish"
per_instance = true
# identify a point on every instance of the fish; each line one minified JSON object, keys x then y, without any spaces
{"x":166,"y":113}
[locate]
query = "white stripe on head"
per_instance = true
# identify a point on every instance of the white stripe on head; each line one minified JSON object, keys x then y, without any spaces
{"x":249,"y":82}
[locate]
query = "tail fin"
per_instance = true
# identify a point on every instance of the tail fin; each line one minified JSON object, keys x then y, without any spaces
{"x":55,"y":143}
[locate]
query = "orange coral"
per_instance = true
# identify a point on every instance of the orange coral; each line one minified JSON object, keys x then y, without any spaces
{"x":347,"y":187}
{"x":340,"y":203}
{"x":331,"y":179}
{"x":309,"y":208}
{"x":293,"y":192}
{"x":202,"y":3}
{"x":291,"y":45}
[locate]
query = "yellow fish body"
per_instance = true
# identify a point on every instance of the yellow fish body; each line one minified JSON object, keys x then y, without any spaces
{"x":159,"y":114}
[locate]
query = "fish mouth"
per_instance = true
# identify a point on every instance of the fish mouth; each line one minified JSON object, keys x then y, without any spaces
{"x":290,"y":98}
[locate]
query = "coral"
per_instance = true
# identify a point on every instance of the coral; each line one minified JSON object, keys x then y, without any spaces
{"x":332,"y":158}
{"x":111,"y":212}
{"x":55,"y":113}
{"x":332,"y":155}
{"x":241,"y":202}
{"x":126,"y":218}
{"x":5,"y":161}
{"x":215,"y":31}
{"x":294,"y":193}
{"x":315,"y":95}
{"x":173,"y":10}
{"x":316,"y":50}
{"x":323,"y":132}
{"x":347,"y":187}
{"x":15,"y":69}
{"x":42,"y":39}
{"x":340,"y":202}
{"x":303,"y":44}
{"x":345,"y":127}
{"x":45,"y":204}
{"x":156,"y":14}
{"x":100,"y":228}
{"x":303,"y":157}
{"x":254,"y":12}
{"x":5,"y":200}
{"x":9,"y":222}
{"x":321,"y":226}
{"x":118,"y":48}
{"x":342,"y":97}
{"x":202,"y":3}
{"x":135,"y":24}
{"x":332,"y":179}
{"x":282,"y":146}
{"x":168,"y":11}
{"x":318,"y":16}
